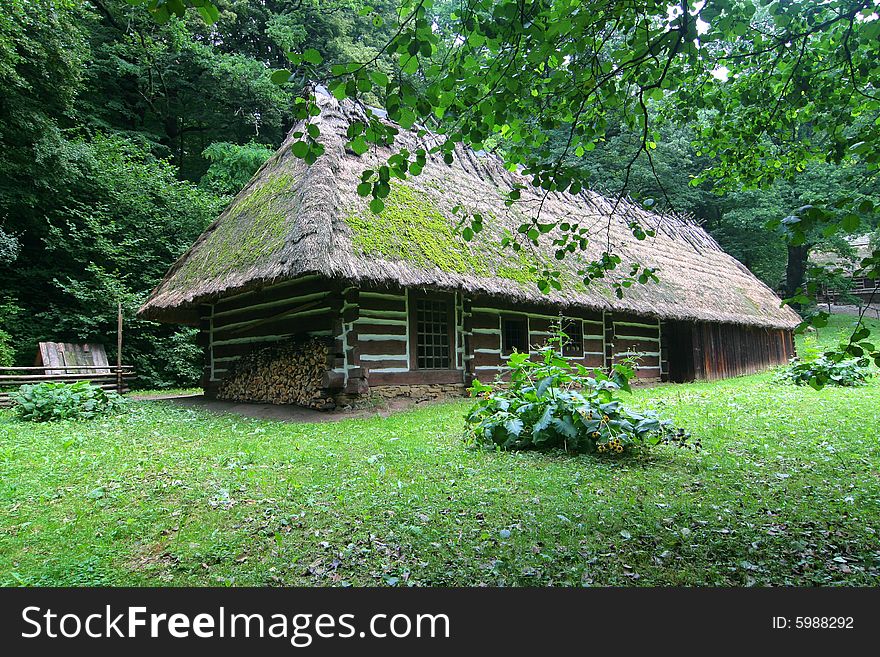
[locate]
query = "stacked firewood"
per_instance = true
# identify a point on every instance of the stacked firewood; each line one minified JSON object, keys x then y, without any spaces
{"x":290,"y":373}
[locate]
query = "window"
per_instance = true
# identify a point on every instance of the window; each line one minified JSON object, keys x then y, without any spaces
{"x":574,"y":329}
{"x":432,"y":321}
{"x":514,"y":335}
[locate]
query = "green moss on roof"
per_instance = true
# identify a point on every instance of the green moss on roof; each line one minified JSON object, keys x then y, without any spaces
{"x":255,"y":229}
{"x":519,"y":266}
{"x":748,"y":299}
{"x":413,"y":229}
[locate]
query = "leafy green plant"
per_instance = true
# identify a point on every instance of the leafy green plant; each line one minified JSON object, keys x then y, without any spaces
{"x":551,"y":403}
{"x":233,"y":165}
{"x":7,"y":355}
{"x":43,"y":402}
{"x":825,"y":370}
{"x":7,"y":311}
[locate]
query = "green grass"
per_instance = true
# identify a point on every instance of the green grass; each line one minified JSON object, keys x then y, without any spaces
{"x":839,"y":328}
{"x":785,"y":491}
{"x":165,"y":392}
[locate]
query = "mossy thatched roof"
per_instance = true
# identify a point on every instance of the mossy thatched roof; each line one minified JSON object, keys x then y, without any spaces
{"x":293,"y":219}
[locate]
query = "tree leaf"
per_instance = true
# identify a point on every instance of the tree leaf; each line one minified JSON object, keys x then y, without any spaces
{"x":281,"y":76}
{"x":312,"y":56}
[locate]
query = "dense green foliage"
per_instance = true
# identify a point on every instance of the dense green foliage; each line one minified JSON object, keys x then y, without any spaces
{"x":7,"y":354}
{"x":745,"y":219}
{"x":783,"y":492}
{"x":820,"y":361}
{"x":106,"y":230}
{"x":550,"y":403}
{"x":232,"y":166}
{"x":825,"y":371}
{"x":44,"y":402}
{"x":122,"y":139}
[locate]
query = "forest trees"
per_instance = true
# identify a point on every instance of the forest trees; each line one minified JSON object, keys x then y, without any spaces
{"x":744,"y":219}
{"x":121,"y":140}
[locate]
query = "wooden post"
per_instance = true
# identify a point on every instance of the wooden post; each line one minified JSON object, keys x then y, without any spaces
{"x":119,"y":348}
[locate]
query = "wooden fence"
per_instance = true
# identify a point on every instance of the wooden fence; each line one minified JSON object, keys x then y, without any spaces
{"x":108,"y":377}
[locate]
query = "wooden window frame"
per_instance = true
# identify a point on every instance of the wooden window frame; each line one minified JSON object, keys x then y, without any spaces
{"x":506,"y":349}
{"x":413,"y":333}
{"x":566,"y":348}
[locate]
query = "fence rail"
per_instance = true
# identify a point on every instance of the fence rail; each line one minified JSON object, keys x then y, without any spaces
{"x":42,"y":368}
{"x":108,"y":377}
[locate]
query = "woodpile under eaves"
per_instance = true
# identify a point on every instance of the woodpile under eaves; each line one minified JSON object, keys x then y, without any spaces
{"x":289,"y":373}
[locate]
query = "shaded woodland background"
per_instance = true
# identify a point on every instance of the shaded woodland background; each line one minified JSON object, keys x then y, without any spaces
{"x":123,"y":139}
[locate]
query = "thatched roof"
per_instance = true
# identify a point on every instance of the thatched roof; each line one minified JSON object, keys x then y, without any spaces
{"x":294,"y":219}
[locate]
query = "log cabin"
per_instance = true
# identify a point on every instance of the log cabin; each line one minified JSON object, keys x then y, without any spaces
{"x":861,"y":289}
{"x":303,"y":295}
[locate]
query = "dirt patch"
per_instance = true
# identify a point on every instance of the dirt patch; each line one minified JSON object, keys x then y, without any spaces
{"x":286,"y":412}
{"x":872,"y":312}
{"x":159,"y":396}
{"x":150,"y":557}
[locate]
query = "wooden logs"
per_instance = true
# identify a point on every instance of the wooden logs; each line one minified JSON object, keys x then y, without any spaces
{"x":289,"y":373}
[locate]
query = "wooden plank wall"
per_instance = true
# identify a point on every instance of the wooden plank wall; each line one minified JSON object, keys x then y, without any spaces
{"x":382,"y":339}
{"x":484,"y":322}
{"x":639,"y":335}
{"x":725,"y":350}
{"x":236,"y":325}
{"x":378,"y":345}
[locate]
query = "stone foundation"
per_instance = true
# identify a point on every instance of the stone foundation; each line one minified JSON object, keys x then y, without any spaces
{"x":417,"y":392}
{"x":420,"y":391}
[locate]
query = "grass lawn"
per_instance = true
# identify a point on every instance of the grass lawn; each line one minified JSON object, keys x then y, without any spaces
{"x":785,"y":491}
{"x":839,"y":328}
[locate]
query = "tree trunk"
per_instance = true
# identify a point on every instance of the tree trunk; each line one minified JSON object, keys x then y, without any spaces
{"x":795,"y":270}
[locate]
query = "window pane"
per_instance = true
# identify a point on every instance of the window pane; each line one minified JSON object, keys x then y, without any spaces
{"x":574,"y":346}
{"x":515,"y":335}
{"x":432,"y":334}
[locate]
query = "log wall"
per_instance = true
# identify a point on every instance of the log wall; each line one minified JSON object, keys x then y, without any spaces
{"x":485,"y":354}
{"x":636,"y":336}
{"x":369,"y":338}
{"x":379,"y":341}
{"x":305,"y":308}
{"x":381,"y":337}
